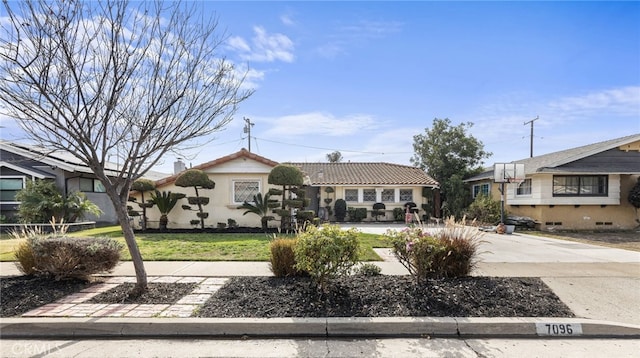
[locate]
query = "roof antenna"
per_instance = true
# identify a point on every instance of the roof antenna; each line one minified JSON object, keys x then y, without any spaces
{"x":531,"y":139}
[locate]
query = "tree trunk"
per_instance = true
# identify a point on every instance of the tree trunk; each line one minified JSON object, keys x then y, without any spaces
{"x":132,"y":245}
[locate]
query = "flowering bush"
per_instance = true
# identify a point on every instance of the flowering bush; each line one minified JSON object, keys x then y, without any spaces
{"x":449,"y":252}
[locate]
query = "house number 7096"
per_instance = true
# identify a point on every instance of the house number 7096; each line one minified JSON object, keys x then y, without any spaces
{"x":558,"y":329}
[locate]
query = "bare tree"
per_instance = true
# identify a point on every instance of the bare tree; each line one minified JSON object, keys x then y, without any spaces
{"x":113,"y":79}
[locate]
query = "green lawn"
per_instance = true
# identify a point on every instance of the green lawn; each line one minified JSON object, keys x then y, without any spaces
{"x":198,"y":246}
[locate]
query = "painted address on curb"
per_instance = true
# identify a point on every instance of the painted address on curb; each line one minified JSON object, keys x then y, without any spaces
{"x":559,"y":329}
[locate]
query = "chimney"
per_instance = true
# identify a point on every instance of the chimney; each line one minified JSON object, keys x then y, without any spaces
{"x":178,"y":166}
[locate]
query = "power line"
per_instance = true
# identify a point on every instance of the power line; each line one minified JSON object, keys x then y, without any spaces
{"x":332,"y":149}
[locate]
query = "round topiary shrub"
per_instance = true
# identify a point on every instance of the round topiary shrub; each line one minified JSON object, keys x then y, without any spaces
{"x":340,"y":208}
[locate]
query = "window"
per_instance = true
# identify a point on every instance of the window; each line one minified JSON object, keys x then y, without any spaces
{"x":351,"y":195}
{"x":9,"y":187}
{"x":480,"y":189}
{"x":406,"y":194}
{"x":524,"y":188}
{"x":369,"y":195}
{"x":89,"y":185}
{"x":244,"y":190}
{"x":388,"y":195}
{"x":580,"y":185}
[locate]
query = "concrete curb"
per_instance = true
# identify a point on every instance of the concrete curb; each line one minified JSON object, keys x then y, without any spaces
{"x":461,"y":327}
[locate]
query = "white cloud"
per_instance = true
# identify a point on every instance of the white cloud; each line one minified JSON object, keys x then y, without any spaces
{"x":287,"y":19}
{"x":361,"y":32}
{"x":321,"y":123}
{"x":264,"y":47}
{"x":621,"y":101}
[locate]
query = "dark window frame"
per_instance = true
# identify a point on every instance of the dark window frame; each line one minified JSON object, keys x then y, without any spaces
{"x":577,"y":190}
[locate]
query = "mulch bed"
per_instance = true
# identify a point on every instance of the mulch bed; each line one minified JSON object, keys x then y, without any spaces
{"x":354,"y":296}
{"x":156,"y":293}
{"x":385,"y":296}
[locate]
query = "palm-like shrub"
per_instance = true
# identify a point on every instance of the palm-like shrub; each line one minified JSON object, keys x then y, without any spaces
{"x":261,"y":207}
{"x":165,"y":202}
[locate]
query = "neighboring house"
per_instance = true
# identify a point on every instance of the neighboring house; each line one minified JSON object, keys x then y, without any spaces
{"x":584,"y":188}
{"x":241,"y":175}
{"x":21,"y":162}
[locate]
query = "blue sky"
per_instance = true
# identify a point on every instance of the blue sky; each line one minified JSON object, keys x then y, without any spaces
{"x":364,"y":77}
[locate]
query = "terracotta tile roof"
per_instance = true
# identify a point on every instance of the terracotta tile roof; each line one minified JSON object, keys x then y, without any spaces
{"x":242,"y":153}
{"x":365,"y":174}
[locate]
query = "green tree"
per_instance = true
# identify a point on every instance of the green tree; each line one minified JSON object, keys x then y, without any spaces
{"x":448,"y":154}
{"x":165,"y":202}
{"x":291,"y":179}
{"x":141,"y":186}
{"x":196,"y":179}
{"x":126,"y":80}
{"x":40,"y":201}
{"x":261,"y":207}
{"x":334,"y":157}
{"x":76,"y":206}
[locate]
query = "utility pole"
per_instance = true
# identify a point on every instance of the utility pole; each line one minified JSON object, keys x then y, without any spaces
{"x":531,"y":146}
{"x":247,"y":129}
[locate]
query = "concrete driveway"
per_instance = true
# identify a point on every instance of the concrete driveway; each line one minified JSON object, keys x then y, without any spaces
{"x":595,"y":282}
{"x":523,"y":248}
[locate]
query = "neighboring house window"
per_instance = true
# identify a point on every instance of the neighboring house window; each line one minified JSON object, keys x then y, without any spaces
{"x":524,"y":188}
{"x":406,"y":194}
{"x":369,"y":195}
{"x":351,"y":195}
{"x":89,"y":185}
{"x":388,"y":195}
{"x":580,"y":185}
{"x":9,"y":187}
{"x":244,"y":190}
{"x":480,"y":189}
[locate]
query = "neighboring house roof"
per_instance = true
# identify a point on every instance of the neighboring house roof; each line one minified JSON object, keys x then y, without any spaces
{"x":573,"y":160}
{"x":242,"y":153}
{"x":64,"y":160}
{"x":364,"y":174}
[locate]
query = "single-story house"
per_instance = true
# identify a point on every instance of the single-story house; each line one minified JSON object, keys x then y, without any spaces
{"x":241,"y":175}
{"x":22,"y":162}
{"x":363,"y":184}
{"x":583,"y":188}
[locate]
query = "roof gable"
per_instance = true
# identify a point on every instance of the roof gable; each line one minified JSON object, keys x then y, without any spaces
{"x":228,"y":159}
{"x":554,"y":160}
